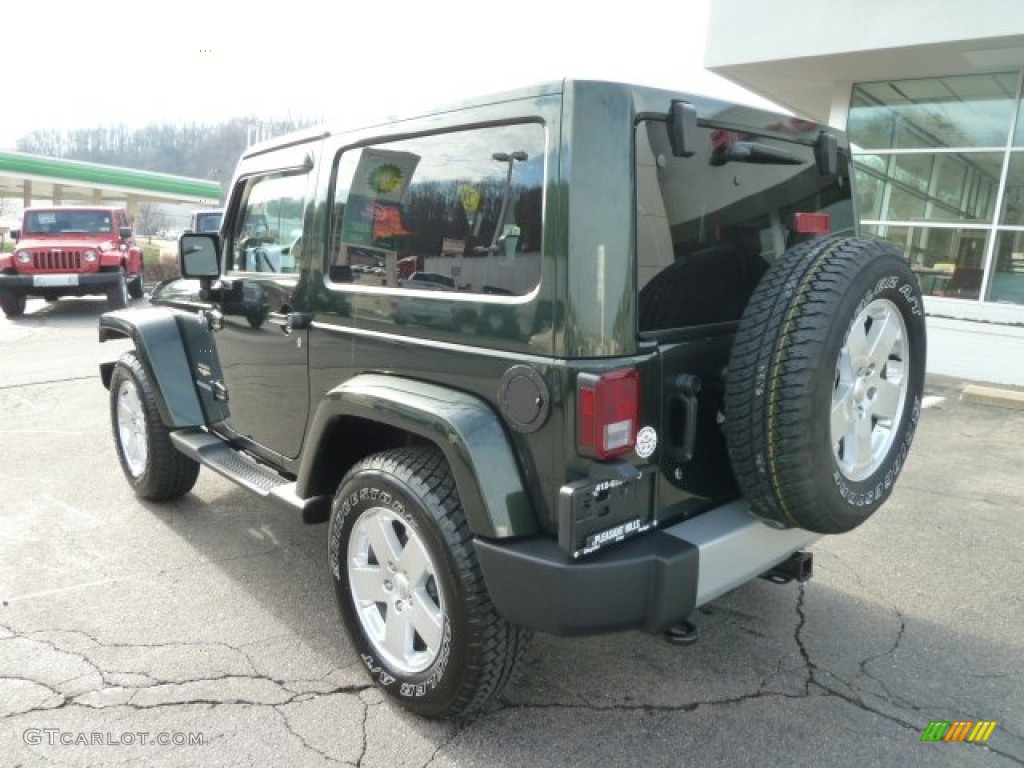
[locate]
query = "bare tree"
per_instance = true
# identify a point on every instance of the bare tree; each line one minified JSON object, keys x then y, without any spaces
{"x":150,"y":218}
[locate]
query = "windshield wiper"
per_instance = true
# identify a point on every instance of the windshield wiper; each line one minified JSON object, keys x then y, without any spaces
{"x":752,"y":152}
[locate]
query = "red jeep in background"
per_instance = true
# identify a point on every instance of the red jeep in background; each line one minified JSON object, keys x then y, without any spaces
{"x":71,"y":251}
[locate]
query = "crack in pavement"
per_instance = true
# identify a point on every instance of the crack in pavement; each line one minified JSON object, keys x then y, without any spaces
{"x":155,"y":685}
{"x":302,"y":739}
{"x":277,"y":692}
{"x":456,"y":732}
{"x":860,"y":703}
{"x":49,"y":381}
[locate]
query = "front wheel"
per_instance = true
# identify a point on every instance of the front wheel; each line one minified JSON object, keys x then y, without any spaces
{"x":156,"y":470}
{"x":12,"y":303}
{"x":135,"y":287}
{"x":117,"y":293}
{"x":825,"y":383}
{"x":410,"y":590}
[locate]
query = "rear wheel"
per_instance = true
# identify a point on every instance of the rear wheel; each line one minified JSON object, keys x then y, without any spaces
{"x":410,"y":589}
{"x":155,"y":469}
{"x":825,"y":382}
{"x":12,"y":303}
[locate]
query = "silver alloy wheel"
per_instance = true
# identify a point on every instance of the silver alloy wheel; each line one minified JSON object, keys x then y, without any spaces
{"x":131,"y":428}
{"x":395,"y":591}
{"x":871,"y":380}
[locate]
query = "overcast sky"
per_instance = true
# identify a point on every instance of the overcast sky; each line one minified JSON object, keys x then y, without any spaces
{"x":80,"y":65}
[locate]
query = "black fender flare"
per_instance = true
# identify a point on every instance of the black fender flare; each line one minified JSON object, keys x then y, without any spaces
{"x":466,"y":430}
{"x":160,"y":348}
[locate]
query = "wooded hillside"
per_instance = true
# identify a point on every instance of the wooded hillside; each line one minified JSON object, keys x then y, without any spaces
{"x":196,"y":150}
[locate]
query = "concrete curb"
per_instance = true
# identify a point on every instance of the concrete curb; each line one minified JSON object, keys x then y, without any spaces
{"x":1001,"y":398}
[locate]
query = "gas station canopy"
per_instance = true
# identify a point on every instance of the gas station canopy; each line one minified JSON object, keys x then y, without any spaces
{"x":34,"y":178}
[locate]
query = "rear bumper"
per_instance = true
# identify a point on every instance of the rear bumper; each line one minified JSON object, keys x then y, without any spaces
{"x":650,"y":583}
{"x":83,"y":282}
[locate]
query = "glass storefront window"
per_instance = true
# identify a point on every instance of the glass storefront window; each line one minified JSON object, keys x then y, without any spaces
{"x":1018,"y":135}
{"x":963,"y":111}
{"x":1013,"y":198}
{"x":931,"y":160}
{"x":869,"y":194}
{"x":929,"y":186}
{"x":1007,"y":281}
{"x":947,"y":261}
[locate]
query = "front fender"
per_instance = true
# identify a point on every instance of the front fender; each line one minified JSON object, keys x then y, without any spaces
{"x":464,"y":427}
{"x":162,"y":352}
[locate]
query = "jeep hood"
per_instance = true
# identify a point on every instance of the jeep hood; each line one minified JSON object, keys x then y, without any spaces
{"x":101,"y":243}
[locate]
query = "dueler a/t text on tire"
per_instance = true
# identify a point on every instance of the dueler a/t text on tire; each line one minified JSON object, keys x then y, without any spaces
{"x":824,"y":383}
{"x":410,"y":589}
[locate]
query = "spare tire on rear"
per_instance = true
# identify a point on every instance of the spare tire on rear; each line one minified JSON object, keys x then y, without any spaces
{"x":824,"y":383}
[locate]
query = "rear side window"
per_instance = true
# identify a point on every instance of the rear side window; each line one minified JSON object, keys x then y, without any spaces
{"x":454,"y":212}
{"x":709,"y":225}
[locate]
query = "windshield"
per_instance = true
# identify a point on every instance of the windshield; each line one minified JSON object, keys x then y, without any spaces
{"x":709,"y":225}
{"x":68,"y":222}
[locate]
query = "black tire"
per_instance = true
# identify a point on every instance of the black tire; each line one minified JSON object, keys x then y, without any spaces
{"x":135,"y":287}
{"x":818,"y":425}
{"x":117,"y":293}
{"x":12,"y":303}
{"x":474,"y":654}
{"x":156,"y":470}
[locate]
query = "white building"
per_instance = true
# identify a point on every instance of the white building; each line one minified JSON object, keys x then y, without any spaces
{"x":930,"y":93}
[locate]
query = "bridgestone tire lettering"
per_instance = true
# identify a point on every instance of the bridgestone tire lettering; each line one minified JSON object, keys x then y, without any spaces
{"x":784,"y":375}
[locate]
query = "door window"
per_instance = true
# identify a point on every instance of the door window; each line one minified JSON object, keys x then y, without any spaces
{"x":267,"y":236}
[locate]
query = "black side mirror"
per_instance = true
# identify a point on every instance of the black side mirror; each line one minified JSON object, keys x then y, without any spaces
{"x":682,"y":128}
{"x":199,"y":255}
{"x":125,"y":233}
{"x":15,"y":234}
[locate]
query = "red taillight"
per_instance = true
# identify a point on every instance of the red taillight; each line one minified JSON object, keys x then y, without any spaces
{"x":607,"y":412}
{"x":812,"y":223}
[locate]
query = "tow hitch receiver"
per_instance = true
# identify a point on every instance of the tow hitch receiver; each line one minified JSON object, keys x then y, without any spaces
{"x":798,"y":566}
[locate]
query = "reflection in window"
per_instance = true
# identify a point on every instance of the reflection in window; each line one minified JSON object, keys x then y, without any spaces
{"x":267,"y":236}
{"x":707,"y":227}
{"x":1013,"y":198}
{"x":1007,"y":283}
{"x":460,"y":211}
{"x":966,"y":111}
{"x":924,"y":152}
{"x":937,"y":187}
{"x":947,"y":261}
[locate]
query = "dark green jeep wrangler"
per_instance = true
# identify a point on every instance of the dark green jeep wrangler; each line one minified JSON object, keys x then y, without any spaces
{"x":575,"y":359}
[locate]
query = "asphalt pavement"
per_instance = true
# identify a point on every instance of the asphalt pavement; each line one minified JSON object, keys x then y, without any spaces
{"x":210,"y":623}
